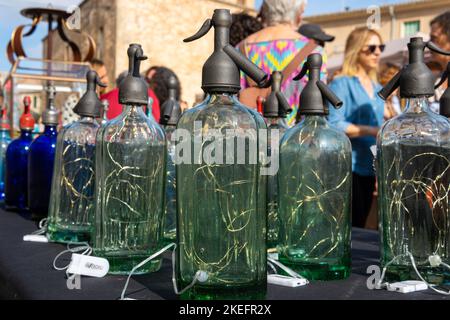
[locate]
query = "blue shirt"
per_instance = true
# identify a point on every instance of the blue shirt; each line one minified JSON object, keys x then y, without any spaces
{"x":358,"y":109}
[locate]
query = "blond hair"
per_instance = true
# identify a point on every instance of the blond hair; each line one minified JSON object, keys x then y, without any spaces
{"x":353,"y":46}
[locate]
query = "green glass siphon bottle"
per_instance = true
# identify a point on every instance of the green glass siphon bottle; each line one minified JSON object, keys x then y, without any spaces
{"x":170,"y":114}
{"x":72,"y":202}
{"x":314,"y":187}
{"x":130,"y":174}
{"x":221,"y":192}
{"x":413,"y":169}
{"x":274,"y":109}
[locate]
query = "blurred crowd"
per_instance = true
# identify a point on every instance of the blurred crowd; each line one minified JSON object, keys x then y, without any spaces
{"x":277,"y":40}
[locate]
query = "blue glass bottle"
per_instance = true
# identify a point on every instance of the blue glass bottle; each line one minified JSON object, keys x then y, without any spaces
{"x":16,"y":177}
{"x":40,"y":162}
{"x":5,"y":140}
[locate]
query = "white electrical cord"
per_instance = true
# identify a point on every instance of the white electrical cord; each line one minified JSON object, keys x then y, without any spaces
{"x":289,"y":271}
{"x":435,"y":261}
{"x":272,"y":267}
{"x":86,"y":248}
{"x":200,"y":276}
{"x":42,"y":227}
{"x":153,"y":256}
{"x":431,"y":286}
{"x":380,"y":284}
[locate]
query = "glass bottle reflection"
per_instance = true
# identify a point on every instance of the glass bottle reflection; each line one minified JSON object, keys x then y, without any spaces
{"x":130,"y":180}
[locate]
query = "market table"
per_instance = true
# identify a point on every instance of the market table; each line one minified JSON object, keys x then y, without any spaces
{"x":26,"y":273}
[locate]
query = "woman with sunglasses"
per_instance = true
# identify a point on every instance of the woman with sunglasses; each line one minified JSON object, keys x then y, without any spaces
{"x":361,"y":114}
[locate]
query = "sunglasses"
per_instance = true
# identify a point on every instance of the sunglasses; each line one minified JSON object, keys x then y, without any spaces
{"x":373,"y":47}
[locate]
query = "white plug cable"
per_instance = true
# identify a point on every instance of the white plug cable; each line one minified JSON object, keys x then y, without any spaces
{"x":434,"y":260}
{"x":86,"y":248}
{"x":294,"y":279}
{"x":38,"y":235}
{"x":43,"y":224}
{"x":272,"y":267}
{"x":380,"y":284}
{"x":153,"y":256}
{"x":200,"y":276}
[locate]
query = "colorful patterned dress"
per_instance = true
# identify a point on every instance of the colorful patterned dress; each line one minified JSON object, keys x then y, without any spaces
{"x":275,"y":55}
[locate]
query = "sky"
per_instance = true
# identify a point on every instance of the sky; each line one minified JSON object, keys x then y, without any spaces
{"x":10,"y":18}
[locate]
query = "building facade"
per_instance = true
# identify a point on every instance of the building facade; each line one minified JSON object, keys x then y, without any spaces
{"x":159,"y":26}
{"x":397,"y":21}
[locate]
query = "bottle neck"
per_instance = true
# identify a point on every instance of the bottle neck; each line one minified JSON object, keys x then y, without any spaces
{"x":276,"y":121}
{"x":86,"y":119}
{"x":417,"y":105}
{"x":50,"y":129}
{"x":5,"y":133}
{"x":221,"y":37}
{"x":315,"y":119}
{"x":222,"y":98}
{"x":26,"y":133}
{"x":416,"y":55}
{"x":133,"y":111}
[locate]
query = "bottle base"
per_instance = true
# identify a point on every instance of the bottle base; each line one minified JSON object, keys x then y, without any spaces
{"x":67,"y":236}
{"x":254,"y":291}
{"x":319,"y":271}
{"x":122,"y":265}
{"x":169,"y":238}
{"x":435,"y":276}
